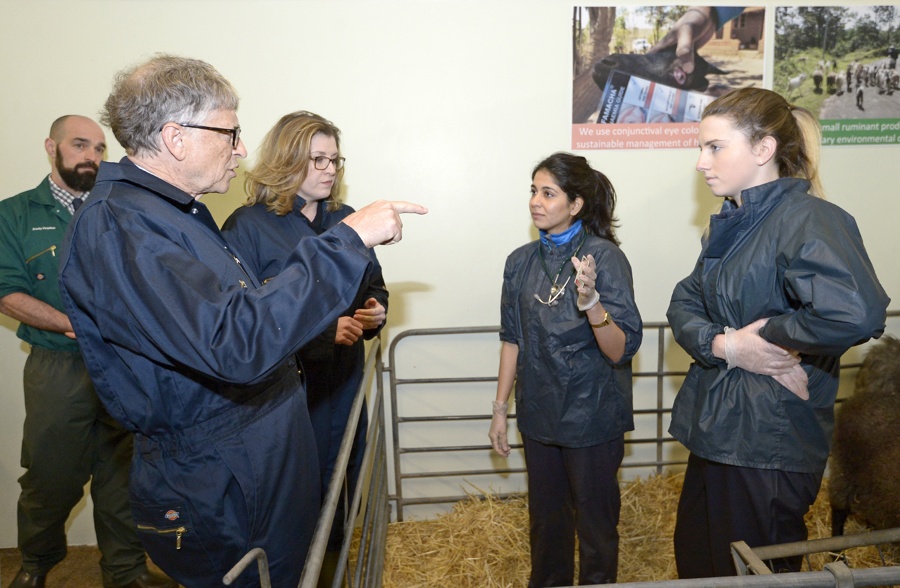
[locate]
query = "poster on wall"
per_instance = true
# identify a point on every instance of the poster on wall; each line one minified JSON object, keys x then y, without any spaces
{"x":642,"y":75}
{"x":840,"y":63}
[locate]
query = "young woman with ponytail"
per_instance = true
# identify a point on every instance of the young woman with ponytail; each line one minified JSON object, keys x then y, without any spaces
{"x":783,"y":287}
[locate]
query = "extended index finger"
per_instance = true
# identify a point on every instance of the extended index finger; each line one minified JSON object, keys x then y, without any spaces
{"x":403,"y":207}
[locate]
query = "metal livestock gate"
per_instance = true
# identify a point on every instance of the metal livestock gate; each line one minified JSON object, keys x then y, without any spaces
{"x":369,"y":510}
{"x":658,"y":412}
{"x":368,"y":503}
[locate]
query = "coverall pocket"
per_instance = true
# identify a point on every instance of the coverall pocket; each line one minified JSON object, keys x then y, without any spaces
{"x":240,"y":504}
{"x":162,"y":526}
{"x":184,"y":551}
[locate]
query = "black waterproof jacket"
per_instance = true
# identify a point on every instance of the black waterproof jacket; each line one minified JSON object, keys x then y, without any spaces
{"x":800,"y":260}
{"x":567,"y":392}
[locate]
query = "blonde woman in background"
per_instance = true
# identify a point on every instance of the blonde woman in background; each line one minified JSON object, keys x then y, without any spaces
{"x":293,"y":194}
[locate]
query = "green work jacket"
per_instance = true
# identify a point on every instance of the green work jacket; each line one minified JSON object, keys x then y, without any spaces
{"x":32,"y":228}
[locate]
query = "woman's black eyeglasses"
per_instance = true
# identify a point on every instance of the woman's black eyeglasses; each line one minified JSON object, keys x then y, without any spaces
{"x":321,"y":162}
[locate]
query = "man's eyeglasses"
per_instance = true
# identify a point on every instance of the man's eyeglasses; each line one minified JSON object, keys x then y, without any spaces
{"x":235,"y":132}
{"x":321,"y":162}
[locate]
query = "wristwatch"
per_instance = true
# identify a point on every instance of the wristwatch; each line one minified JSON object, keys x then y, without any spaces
{"x":602,"y":323}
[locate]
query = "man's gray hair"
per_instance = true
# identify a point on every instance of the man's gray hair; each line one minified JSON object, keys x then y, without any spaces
{"x":167,"y":88}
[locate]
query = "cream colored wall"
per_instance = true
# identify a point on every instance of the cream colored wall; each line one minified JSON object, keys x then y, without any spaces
{"x":446,"y":103}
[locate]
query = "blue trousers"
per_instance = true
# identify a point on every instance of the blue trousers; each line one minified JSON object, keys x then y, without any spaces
{"x":244,"y":479}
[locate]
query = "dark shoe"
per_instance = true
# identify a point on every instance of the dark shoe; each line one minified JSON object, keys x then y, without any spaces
{"x":25,"y":580}
{"x":151,"y":580}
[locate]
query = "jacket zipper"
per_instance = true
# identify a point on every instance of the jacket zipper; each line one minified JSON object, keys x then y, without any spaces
{"x":51,"y":249}
{"x":240,"y":265}
{"x":178,"y":532}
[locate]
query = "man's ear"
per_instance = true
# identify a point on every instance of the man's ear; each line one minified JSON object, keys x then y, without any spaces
{"x":50,"y":147}
{"x":173,"y":140}
{"x":765,"y":150}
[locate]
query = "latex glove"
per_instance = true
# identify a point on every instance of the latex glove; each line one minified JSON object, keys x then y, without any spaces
{"x":371,"y":315}
{"x":745,"y":349}
{"x":586,"y":281}
{"x":795,"y":381}
{"x":348,"y":331}
{"x":497,"y":433}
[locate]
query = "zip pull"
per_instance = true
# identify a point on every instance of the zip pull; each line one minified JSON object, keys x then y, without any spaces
{"x":179,"y":531}
{"x":238,"y":261}
{"x":51,"y":249}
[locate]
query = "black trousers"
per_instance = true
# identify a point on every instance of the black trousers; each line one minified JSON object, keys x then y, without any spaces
{"x":722,"y":503}
{"x":573,"y":490}
{"x":69,"y":438}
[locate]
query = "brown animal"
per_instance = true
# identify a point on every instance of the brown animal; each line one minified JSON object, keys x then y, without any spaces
{"x":817,"y":79}
{"x":865,"y":457}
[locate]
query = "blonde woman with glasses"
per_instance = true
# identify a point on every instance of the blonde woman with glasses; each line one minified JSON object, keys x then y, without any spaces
{"x":293,"y":194}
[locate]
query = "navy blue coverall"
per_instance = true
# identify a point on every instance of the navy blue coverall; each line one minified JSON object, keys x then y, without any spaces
{"x":190,"y":352}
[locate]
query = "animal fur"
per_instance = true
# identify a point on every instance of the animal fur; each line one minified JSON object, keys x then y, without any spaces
{"x":865,"y":457}
{"x":795,"y":83}
{"x":661,"y":67}
{"x":817,"y":79}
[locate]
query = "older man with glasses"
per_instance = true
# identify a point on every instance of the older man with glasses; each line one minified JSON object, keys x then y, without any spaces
{"x":187,"y":348}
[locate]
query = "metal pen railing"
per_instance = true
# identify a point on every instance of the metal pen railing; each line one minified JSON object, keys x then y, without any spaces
{"x":659,"y":412}
{"x":367,"y":568}
{"x":667,"y":352}
{"x":369,"y":564}
{"x":376,"y":516}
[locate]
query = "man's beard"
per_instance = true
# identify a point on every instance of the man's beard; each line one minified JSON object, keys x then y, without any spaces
{"x":80,"y":178}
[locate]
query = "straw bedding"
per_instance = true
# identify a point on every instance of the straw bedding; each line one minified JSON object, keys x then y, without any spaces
{"x":483,"y":542}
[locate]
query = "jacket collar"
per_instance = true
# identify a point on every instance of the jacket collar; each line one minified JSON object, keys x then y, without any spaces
{"x":759,"y":200}
{"x":127,"y":171}
{"x":317,"y":222}
{"x":42,"y":194}
{"x":726,"y":227}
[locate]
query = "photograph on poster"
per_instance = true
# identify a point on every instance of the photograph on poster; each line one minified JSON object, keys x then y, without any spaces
{"x":840,"y":63}
{"x":655,"y":68}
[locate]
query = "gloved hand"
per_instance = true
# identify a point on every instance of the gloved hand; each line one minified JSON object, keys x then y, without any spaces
{"x":795,"y":381}
{"x":745,"y":349}
{"x":586,"y":281}
{"x":497,"y":434}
